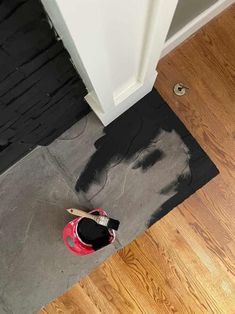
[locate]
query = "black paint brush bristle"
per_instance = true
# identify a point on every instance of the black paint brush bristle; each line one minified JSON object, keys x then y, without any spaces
{"x":107,"y":222}
{"x":113,"y":224}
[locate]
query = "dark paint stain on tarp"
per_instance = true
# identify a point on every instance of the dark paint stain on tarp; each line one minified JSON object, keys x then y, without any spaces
{"x":135,"y":131}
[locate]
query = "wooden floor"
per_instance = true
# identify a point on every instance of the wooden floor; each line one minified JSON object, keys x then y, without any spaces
{"x":185,"y":262}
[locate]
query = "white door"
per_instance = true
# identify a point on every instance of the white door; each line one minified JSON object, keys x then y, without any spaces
{"x":115,"y":46}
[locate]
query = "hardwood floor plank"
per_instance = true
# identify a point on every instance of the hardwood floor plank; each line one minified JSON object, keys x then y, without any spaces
{"x":75,"y":301}
{"x":192,"y":258}
{"x":109,"y":288}
{"x":147,"y":278}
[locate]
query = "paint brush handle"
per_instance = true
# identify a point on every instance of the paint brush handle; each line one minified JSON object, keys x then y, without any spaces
{"x":81,"y":213}
{"x":101,"y":220}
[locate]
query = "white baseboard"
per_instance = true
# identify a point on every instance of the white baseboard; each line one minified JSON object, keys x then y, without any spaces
{"x":195,"y":25}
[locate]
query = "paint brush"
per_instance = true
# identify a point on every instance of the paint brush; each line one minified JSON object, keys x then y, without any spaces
{"x":101,"y":220}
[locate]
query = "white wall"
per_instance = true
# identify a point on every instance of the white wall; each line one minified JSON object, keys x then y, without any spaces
{"x":185,"y":23}
{"x":186,"y":11}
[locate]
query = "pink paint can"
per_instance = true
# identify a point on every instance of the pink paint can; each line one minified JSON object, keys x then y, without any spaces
{"x":83,"y":236}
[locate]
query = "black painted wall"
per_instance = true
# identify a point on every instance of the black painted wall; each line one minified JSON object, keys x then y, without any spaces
{"x":41,"y":94}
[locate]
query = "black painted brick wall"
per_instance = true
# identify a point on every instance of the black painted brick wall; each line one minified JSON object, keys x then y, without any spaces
{"x":41,"y":94}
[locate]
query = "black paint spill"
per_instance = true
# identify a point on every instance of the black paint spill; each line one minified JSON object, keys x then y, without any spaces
{"x":131,"y":133}
{"x":41,"y":94}
{"x":134,"y":132}
{"x":149,"y":160}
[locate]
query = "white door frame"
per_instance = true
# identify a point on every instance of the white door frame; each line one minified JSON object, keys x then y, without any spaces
{"x":118,"y":70}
